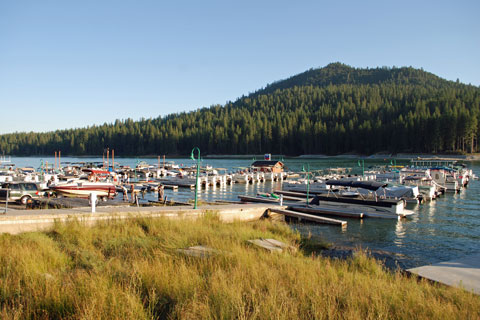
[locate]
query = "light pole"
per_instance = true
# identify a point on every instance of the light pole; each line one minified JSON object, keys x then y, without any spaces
{"x":42,"y":171}
{"x":394,"y":163}
{"x":136,"y":166}
{"x":192,"y":156}
{"x":361,"y":163}
{"x":308,"y":179}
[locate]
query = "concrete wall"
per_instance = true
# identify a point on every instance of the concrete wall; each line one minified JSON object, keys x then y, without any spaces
{"x":41,"y":220}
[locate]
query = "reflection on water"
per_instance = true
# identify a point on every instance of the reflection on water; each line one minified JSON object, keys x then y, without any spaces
{"x":430,"y":211}
{"x":400,"y":232}
{"x":462,"y":195}
{"x":442,"y":230}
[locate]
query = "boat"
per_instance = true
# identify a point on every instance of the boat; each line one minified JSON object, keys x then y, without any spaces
{"x":82,"y":189}
{"x":258,"y":199}
{"x":410,"y":194}
{"x":273,"y":195}
{"x":267,"y":198}
{"x":242,"y":177}
{"x":5,"y":177}
{"x":445,"y":178}
{"x":302,"y":186}
{"x":370,"y":206}
{"x":385,"y":206}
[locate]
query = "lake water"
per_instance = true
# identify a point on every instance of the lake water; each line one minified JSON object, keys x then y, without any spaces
{"x":444,"y":229}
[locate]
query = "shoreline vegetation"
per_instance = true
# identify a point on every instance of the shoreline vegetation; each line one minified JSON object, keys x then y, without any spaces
{"x":132,"y":269}
{"x":402,"y":156}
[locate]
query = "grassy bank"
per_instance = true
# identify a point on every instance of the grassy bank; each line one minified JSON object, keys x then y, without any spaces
{"x":131,"y":270}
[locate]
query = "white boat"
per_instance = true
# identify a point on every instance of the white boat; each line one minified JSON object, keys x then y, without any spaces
{"x":387,"y":176}
{"x":82,"y":189}
{"x":242,"y":178}
{"x":444,"y":179}
{"x":350,"y":210}
{"x":5,"y":177}
{"x":373,"y":206}
{"x":301,"y":186}
{"x":408,"y":193}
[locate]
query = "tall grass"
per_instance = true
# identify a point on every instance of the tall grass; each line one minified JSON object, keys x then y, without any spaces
{"x":132,"y":270}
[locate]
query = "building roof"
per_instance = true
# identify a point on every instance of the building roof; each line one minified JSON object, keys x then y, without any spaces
{"x":266,"y":163}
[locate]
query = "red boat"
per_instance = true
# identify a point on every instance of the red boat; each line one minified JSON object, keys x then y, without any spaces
{"x":82,"y":189}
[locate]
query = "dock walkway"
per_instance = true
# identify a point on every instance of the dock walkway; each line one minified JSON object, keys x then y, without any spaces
{"x":18,"y":221}
{"x":309,"y":217}
{"x":461,"y":273}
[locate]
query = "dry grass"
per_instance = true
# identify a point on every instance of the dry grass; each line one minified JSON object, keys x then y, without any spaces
{"x":131,"y":270}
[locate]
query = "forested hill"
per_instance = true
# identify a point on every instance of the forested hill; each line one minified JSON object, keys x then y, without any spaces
{"x":331,"y":110}
{"x":338,"y":74}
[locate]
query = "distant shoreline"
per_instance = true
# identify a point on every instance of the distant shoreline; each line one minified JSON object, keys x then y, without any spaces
{"x":403,"y":156}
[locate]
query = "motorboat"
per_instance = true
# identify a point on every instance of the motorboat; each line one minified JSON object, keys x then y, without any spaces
{"x":410,"y":194}
{"x":82,"y":189}
{"x":371,"y":206}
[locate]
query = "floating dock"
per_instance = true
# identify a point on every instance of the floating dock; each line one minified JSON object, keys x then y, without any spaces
{"x":462,"y":273}
{"x":328,"y":211}
{"x":309,"y":217}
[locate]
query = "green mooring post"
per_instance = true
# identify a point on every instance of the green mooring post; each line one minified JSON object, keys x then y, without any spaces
{"x":308,"y":180}
{"x":192,"y":156}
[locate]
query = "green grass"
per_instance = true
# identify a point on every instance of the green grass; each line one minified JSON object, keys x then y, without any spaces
{"x":131,"y":270}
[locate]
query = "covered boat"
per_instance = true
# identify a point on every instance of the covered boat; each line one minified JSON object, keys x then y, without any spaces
{"x":369,"y":185}
{"x":377,"y":204}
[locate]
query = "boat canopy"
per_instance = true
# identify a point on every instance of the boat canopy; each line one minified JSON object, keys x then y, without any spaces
{"x":443,"y":168}
{"x":96,"y":171}
{"x":369,"y":185}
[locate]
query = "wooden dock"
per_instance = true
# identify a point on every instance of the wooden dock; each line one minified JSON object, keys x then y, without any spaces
{"x":309,"y":217}
{"x":340,"y":212}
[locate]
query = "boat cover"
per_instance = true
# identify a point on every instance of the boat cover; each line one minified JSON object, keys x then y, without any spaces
{"x":369,"y":185}
{"x":397,"y":192}
{"x":388,"y":203}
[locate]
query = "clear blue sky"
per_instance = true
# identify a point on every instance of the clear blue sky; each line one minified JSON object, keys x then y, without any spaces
{"x":67,"y":64}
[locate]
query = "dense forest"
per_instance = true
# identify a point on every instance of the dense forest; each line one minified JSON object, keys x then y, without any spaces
{"x":331,"y":110}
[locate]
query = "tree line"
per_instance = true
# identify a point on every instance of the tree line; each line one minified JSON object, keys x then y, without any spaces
{"x":429,"y":115}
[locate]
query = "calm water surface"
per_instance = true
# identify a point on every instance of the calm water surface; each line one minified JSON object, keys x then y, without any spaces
{"x":441,"y":230}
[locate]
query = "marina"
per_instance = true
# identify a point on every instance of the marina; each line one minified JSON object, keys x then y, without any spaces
{"x":440,"y":228}
{"x":239,"y":160}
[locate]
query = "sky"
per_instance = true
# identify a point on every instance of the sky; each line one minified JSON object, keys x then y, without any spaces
{"x":71,"y":64}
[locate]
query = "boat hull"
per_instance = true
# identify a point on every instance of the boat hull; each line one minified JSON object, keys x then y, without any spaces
{"x":84,"y":191}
